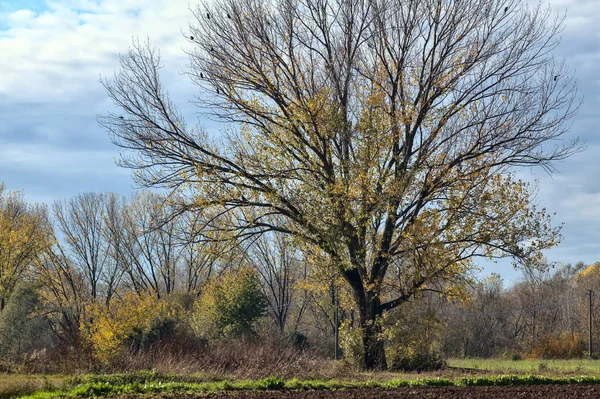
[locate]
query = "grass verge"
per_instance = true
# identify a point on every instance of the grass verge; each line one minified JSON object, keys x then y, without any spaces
{"x":153,"y":383}
{"x":556,"y":367}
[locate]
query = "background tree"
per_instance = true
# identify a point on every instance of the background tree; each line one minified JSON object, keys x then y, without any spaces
{"x":277,"y":263}
{"x":588,"y":279}
{"x":542,"y":315}
{"x":149,"y":246}
{"x":478,"y":328}
{"x":63,"y":291}
{"x":82,"y":222}
{"x":202,"y":260}
{"x":24,"y":234}
{"x":23,"y":324}
{"x":383,"y":132}
{"x":230,"y":306}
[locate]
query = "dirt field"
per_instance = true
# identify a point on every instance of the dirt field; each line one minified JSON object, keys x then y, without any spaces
{"x":516,"y":392}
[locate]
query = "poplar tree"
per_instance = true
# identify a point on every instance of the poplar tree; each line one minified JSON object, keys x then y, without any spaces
{"x":384,"y":134}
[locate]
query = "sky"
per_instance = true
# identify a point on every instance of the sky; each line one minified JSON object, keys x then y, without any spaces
{"x":53,"y":53}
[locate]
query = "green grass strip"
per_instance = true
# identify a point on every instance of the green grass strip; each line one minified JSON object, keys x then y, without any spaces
{"x":99,"y":386}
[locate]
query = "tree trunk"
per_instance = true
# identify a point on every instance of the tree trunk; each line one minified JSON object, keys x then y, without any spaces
{"x":372,"y":334}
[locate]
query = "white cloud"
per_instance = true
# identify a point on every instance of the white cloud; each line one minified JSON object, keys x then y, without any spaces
{"x":60,"y":53}
{"x":21,"y":17}
{"x":50,"y":65}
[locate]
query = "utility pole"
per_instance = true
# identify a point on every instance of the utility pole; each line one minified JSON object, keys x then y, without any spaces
{"x":336,"y":320}
{"x":590,"y":292}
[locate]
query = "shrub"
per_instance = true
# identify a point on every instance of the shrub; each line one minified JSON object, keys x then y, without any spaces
{"x":559,"y":346}
{"x":296,"y":340}
{"x":230,"y":306}
{"x":412,"y":343}
{"x":512,"y":355}
{"x":352,"y":344}
{"x":422,"y":359}
{"x":133,"y":320}
{"x":158,"y":331}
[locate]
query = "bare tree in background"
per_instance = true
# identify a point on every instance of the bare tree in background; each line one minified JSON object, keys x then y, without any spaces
{"x":83,"y":226}
{"x":381,"y":132}
{"x":64,"y":294}
{"x":278,"y":264}
{"x":149,"y":246}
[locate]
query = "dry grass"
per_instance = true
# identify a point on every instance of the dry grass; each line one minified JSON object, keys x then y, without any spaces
{"x":236,"y":359}
{"x":14,"y":386}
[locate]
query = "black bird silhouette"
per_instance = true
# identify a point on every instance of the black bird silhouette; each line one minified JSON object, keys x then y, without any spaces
{"x":207,"y":16}
{"x":201,"y":75}
{"x":505,"y":10}
{"x":555,"y":78}
{"x":228,"y":16}
{"x":120,"y":117}
{"x":191,"y":37}
{"x":212,"y":49}
{"x":217,"y":90}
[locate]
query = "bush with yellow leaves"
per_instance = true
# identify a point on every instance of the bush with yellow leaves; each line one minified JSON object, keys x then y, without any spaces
{"x":352,"y":344}
{"x":130,"y":322}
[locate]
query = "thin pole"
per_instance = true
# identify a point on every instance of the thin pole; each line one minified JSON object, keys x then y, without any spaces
{"x":590,"y":336}
{"x":337,"y":323}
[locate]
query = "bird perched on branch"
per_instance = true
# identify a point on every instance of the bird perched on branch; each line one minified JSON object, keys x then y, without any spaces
{"x":207,"y":16}
{"x":505,"y":10}
{"x":191,"y":37}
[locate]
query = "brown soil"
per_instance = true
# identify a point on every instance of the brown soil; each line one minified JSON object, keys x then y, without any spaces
{"x":510,"y":392}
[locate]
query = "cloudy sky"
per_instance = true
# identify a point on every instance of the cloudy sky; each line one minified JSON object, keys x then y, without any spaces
{"x":53,"y":53}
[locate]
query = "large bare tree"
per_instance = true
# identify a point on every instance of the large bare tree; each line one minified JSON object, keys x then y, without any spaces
{"x":382,"y":132}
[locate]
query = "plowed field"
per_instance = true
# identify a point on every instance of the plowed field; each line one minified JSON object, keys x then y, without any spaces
{"x":508,"y":392}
